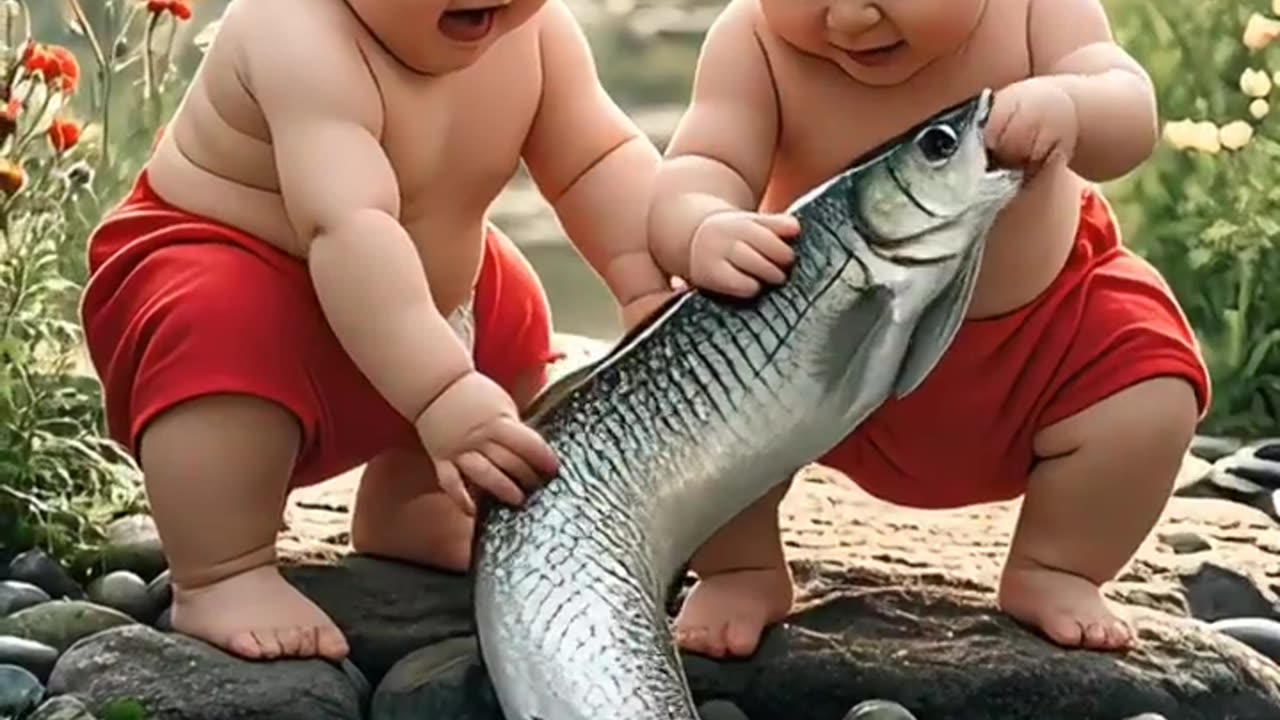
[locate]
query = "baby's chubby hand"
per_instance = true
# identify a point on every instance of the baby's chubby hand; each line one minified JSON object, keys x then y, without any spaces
{"x":733,"y":252}
{"x":475,"y":437}
{"x":1033,"y":123}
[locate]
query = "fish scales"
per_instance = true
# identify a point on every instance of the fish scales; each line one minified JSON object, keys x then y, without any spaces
{"x":648,"y":420}
{"x":693,"y":417}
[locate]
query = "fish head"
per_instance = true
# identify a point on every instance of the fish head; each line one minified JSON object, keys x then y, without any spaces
{"x":927,"y":195}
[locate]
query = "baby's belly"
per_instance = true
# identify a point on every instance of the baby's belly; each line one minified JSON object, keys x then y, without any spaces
{"x":449,"y":240}
{"x":221,"y":192}
{"x":1028,"y":245}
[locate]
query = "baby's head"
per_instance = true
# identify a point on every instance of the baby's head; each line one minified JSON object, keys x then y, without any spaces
{"x":441,"y":36}
{"x":878,"y":42}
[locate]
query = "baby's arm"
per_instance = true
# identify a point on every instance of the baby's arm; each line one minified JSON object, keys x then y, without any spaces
{"x":1115,"y":102}
{"x":722,"y":151}
{"x":324,"y":112}
{"x":592,"y":163}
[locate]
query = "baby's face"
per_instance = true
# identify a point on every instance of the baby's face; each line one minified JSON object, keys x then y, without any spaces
{"x":877,"y":42}
{"x":441,"y":36}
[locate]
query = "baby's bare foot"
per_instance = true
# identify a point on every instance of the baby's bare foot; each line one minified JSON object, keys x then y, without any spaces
{"x":258,"y":616}
{"x":1068,"y":609}
{"x":725,"y":614}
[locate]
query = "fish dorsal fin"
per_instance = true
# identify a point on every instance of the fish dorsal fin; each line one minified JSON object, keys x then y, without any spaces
{"x":939,"y":324}
{"x":567,"y":384}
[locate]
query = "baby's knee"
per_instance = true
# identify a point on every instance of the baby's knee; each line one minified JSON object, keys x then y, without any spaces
{"x":1150,"y":422}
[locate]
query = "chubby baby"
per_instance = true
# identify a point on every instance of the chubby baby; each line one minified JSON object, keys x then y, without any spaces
{"x":303,"y":281}
{"x":1075,"y":382}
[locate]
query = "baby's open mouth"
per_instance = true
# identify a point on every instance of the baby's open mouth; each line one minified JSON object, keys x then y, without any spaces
{"x":877,"y":55}
{"x":468,"y":25}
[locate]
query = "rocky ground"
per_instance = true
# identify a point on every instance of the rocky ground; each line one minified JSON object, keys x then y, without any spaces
{"x":894,"y":604}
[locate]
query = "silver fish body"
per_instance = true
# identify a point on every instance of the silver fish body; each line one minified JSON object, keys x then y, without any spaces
{"x":696,"y":415}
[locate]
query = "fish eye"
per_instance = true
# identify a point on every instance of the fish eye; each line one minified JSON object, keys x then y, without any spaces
{"x":937,"y":143}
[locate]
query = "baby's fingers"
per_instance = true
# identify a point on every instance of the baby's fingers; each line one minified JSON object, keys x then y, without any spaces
{"x":526,"y":444}
{"x":513,"y":465}
{"x":772,"y":247}
{"x":781,"y":224}
{"x":449,"y":478}
{"x":727,"y":279}
{"x":482,"y":473}
{"x":750,"y":261}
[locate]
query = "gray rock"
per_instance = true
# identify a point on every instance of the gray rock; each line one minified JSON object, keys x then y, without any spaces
{"x":1185,"y":542}
{"x":443,"y":680}
{"x":1211,"y":448}
{"x":898,"y":604}
{"x":20,"y":691}
{"x":35,"y":657}
{"x":60,"y":623}
{"x":1261,"y":634}
{"x":720,"y":710}
{"x":878,"y":710}
{"x":944,"y":652}
{"x":387,"y":609}
{"x":37,"y":568}
{"x":178,"y":678}
{"x":62,"y":707}
{"x":133,"y":544}
{"x":123,"y":590}
{"x":17,"y":595}
{"x":160,"y":591}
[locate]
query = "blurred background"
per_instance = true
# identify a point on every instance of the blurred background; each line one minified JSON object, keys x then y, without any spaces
{"x":1202,"y":210}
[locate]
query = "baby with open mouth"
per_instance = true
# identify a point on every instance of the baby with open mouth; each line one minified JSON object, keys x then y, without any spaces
{"x":304,"y":280}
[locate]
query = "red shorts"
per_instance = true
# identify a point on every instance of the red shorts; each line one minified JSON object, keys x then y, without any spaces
{"x":179,"y":306}
{"x":965,"y":435}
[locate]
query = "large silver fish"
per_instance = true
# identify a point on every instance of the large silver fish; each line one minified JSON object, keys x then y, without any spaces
{"x":698,"y":413}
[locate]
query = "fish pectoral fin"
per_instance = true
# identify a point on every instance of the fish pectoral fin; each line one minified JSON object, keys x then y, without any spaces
{"x":938,"y":324}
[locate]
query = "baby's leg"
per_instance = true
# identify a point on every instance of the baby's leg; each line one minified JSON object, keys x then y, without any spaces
{"x":743,"y":586}
{"x":1107,"y":474}
{"x":400,"y":511}
{"x":217,"y":472}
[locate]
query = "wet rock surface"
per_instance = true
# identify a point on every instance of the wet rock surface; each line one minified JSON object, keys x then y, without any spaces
{"x":895,"y":606}
{"x":895,"y":620}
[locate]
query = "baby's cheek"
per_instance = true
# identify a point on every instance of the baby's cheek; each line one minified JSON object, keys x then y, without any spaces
{"x":936,"y":26}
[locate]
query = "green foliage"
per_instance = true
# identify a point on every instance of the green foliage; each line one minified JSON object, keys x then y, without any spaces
{"x":125,"y":710}
{"x":1206,"y":220}
{"x":61,"y":480}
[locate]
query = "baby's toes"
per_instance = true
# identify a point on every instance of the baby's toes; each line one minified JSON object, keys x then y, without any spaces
{"x":269,"y":640}
{"x":1095,"y":634}
{"x":1120,"y":634}
{"x":246,"y":645}
{"x":742,"y":637}
{"x":290,"y":641}
{"x":330,"y":643}
{"x":1063,"y":629}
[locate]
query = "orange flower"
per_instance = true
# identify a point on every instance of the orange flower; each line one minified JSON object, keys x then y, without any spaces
{"x":56,"y":64}
{"x":12,"y":177}
{"x":180,"y":9}
{"x":63,"y":135}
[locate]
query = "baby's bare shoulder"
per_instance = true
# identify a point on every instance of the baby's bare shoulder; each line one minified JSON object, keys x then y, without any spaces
{"x":302,"y":38}
{"x":297,"y":53}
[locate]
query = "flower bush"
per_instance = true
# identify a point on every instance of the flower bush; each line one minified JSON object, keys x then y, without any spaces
{"x":1203,"y":209}
{"x":64,"y":158}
